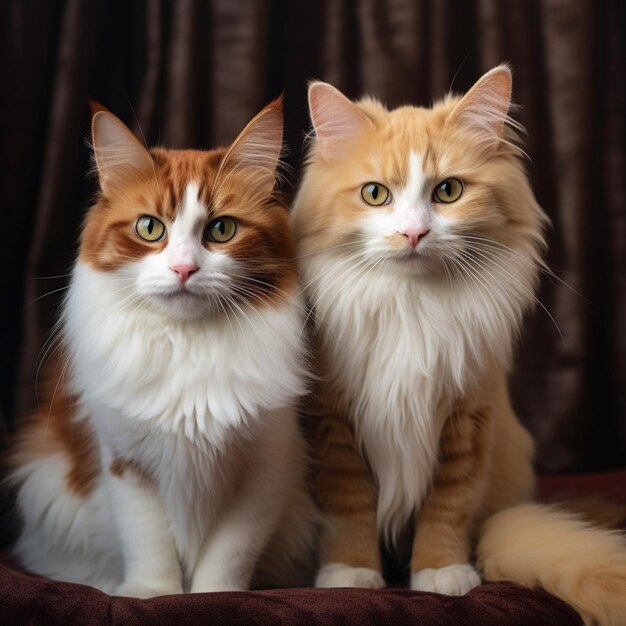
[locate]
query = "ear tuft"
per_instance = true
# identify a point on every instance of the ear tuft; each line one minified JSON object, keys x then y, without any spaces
{"x":95,"y":106}
{"x":335,"y":118}
{"x":119,"y":155}
{"x":484,"y":108}
{"x":259,"y":144}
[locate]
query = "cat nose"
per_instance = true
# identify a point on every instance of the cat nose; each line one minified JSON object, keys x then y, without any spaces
{"x":415,"y":234}
{"x":184,"y":270}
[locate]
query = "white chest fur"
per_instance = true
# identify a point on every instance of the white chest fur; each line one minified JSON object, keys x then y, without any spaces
{"x":198,"y":481}
{"x":403,"y":350}
{"x":201,"y":405}
{"x":196,"y":377}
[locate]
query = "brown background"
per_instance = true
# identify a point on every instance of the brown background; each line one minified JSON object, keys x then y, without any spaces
{"x":191,"y":74}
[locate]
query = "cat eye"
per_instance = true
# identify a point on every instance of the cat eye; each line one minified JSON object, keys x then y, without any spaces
{"x":150,"y":228}
{"x":450,"y":190}
{"x":222,"y":229}
{"x":375,"y":194}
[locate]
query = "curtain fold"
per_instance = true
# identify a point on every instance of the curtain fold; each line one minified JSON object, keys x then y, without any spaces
{"x":191,"y":73}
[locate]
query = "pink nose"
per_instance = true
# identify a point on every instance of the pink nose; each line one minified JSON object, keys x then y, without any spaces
{"x":415,"y":234}
{"x":184,"y":270}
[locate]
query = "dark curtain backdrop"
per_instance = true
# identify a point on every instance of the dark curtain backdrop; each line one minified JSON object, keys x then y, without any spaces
{"x":192,"y":73}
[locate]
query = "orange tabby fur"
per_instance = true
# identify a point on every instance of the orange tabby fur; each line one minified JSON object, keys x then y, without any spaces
{"x":483,"y":462}
{"x":52,"y":429}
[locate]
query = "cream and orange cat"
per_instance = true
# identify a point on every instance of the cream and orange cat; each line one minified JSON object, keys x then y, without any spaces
{"x":166,"y":454}
{"x":420,"y":245}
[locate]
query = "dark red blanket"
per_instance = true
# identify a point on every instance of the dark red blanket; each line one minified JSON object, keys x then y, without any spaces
{"x":29,"y":599}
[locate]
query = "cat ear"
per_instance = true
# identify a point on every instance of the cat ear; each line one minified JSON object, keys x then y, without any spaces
{"x":119,"y":155}
{"x":260,"y":143}
{"x":335,"y":118}
{"x":484,"y":108}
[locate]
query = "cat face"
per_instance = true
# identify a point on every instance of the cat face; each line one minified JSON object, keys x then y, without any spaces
{"x":415,"y":189}
{"x":191,"y":233}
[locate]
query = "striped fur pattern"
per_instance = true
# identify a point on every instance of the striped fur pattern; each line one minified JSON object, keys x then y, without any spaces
{"x":416,"y":305}
{"x":166,"y":455}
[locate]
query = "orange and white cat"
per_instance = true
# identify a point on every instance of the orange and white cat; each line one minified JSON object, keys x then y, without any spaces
{"x":166,"y":454}
{"x":420,"y":244}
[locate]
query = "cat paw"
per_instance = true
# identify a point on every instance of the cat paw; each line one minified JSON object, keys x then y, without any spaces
{"x":136,"y":589}
{"x":341,"y":575}
{"x":453,"y":580}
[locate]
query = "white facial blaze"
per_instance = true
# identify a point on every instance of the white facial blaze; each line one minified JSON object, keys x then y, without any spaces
{"x":412,"y":208}
{"x":155,"y":275}
{"x":185,"y":237}
{"x":409,"y":212}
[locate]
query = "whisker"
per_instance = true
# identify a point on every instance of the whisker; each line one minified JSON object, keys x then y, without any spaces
{"x":240,"y":309}
{"x":250,"y":294}
{"x":359,"y":266}
{"x":52,"y":345}
{"x":261,"y":282}
{"x":51,"y":277}
{"x":45,"y":295}
{"x":232,"y":330}
{"x":464,"y":271}
{"x":445,"y":265}
{"x":54,"y":393}
{"x":523,"y":287}
{"x":230,"y":302}
{"x":541,"y":267}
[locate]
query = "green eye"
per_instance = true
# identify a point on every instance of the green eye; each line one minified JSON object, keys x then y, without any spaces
{"x":375,"y":194}
{"x":222,"y":229}
{"x":150,"y":228}
{"x":449,"y":190}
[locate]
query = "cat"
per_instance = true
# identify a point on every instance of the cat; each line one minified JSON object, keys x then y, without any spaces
{"x":166,"y":454}
{"x":420,"y":245}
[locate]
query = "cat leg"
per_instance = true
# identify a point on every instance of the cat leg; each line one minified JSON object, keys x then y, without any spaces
{"x":151,"y":564}
{"x":446,"y":521}
{"x":349,"y":541}
{"x":230,"y":553}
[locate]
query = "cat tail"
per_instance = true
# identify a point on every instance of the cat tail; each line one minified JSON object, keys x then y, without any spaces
{"x":544,"y":545}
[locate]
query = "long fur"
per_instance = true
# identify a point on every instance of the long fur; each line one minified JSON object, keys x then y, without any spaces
{"x":415,"y":346}
{"x":166,"y":455}
{"x":537,"y":545}
{"x":403,"y":346}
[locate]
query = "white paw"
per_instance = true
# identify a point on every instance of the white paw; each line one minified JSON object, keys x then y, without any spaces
{"x":151,"y":589}
{"x":342,"y":575}
{"x":453,"y":580}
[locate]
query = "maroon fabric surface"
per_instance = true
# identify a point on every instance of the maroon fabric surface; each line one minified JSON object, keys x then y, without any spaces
{"x":26,"y":598}
{"x":611,"y":485}
{"x":35,"y":600}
